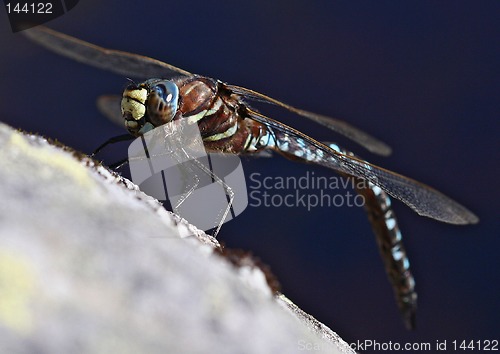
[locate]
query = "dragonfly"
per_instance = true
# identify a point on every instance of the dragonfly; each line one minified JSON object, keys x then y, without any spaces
{"x":229,"y":124}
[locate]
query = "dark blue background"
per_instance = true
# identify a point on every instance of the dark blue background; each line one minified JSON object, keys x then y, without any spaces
{"x":422,"y":76}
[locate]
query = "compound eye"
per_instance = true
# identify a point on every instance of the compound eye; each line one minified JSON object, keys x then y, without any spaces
{"x":162,"y":102}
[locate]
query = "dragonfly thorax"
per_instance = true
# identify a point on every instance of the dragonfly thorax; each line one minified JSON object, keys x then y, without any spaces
{"x":149,"y":105}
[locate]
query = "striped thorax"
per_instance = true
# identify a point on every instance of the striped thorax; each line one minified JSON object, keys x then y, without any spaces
{"x":200,"y":101}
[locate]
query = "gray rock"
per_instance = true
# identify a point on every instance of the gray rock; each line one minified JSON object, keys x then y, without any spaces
{"x":89,"y":264}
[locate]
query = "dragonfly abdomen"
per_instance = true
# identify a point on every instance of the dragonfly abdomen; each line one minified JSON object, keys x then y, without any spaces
{"x":382,"y":219}
{"x":391,"y":248}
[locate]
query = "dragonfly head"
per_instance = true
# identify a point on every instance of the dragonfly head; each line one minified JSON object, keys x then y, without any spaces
{"x":149,"y":105}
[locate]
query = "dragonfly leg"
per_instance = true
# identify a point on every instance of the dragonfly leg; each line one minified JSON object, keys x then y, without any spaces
{"x":227,"y":191}
{"x":113,"y":140}
{"x":115,"y":166}
{"x":190,"y":191}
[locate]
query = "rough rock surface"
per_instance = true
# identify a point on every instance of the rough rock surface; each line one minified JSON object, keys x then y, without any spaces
{"x":89,"y":264}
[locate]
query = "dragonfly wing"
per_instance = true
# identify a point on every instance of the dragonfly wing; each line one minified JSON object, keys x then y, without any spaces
{"x":364,"y":139}
{"x":109,"y":106}
{"x":123,"y":63}
{"x":423,"y":199}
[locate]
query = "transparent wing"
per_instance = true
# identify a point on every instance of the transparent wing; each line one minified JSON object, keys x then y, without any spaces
{"x":367,"y":141}
{"x":123,"y":63}
{"x":138,"y":66}
{"x":109,"y":106}
{"x":423,"y":199}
